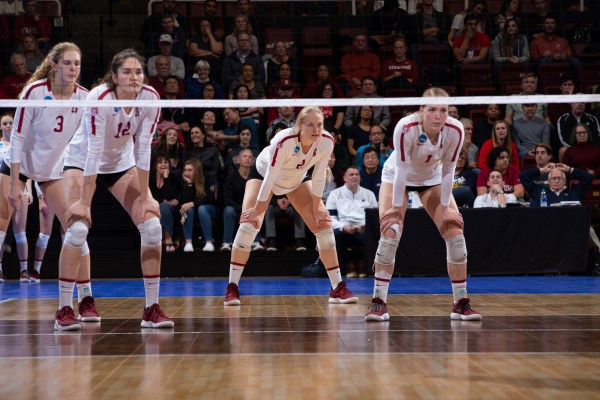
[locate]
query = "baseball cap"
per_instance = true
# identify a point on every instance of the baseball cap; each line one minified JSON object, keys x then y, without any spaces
{"x":165,"y":37}
{"x":285,"y":83}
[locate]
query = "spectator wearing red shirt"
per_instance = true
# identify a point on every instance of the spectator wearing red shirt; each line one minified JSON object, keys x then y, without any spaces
{"x":32,"y":23}
{"x":399,"y":72}
{"x":471,"y":47}
{"x":498,"y":160}
{"x":13,"y":83}
{"x":551,"y":48}
{"x":360,"y":62}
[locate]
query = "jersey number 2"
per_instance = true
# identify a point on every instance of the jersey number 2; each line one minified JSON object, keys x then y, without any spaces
{"x":429,"y":158}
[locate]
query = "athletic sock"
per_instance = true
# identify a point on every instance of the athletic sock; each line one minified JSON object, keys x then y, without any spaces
{"x":65,"y":289}
{"x":84,"y":289}
{"x":335,"y":275}
{"x":381,"y":285}
{"x":151,"y":285}
{"x":459,"y":290}
{"x":235,"y":272}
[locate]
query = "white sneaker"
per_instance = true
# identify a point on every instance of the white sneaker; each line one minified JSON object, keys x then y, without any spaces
{"x":208,"y":247}
{"x":188,"y":248}
{"x":226,"y":247}
{"x":256,"y":246}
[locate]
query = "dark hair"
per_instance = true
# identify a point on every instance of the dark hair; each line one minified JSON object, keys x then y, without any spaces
{"x":117,"y":61}
{"x":370,"y":150}
{"x":241,"y":85}
{"x":368,"y":78}
{"x":470,"y":17}
{"x":494,"y":154}
{"x":322,"y":89}
{"x":573,"y":138}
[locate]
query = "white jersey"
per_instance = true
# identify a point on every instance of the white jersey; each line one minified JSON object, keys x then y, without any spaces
{"x":422,"y":163}
{"x":3,"y":151}
{"x":284,"y":166}
{"x":41,"y":134}
{"x":76,"y":151}
{"x":117,"y":140}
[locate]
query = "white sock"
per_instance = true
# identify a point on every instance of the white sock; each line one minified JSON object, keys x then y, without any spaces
{"x":84,"y":289}
{"x":235,"y":272}
{"x":459,"y":290}
{"x":23,"y":264}
{"x":335,"y":276}
{"x":37,"y":265}
{"x":151,"y":285}
{"x":65,"y":289}
{"x":381,"y":285}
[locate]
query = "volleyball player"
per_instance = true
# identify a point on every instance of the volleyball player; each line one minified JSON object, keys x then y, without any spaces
{"x":115,"y":161}
{"x":281,"y":169}
{"x":39,"y":138}
{"x":427,"y":145}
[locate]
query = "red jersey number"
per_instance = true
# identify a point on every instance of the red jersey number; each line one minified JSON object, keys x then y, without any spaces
{"x":124,"y":130}
{"x":60,"y":120}
{"x":429,"y":158}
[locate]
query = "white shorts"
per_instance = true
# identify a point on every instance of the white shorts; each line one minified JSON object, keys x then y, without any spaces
{"x":389,"y":169}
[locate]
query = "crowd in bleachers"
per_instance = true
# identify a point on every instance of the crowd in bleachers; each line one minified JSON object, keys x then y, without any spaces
{"x":244,"y":50}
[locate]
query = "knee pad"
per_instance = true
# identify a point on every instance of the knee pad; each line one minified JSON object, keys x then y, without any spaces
{"x":386,"y":249}
{"x":76,"y":234}
{"x":85,"y":250}
{"x":245,"y":236}
{"x":20,"y":237}
{"x":325,"y":239}
{"x":42,"y":241}
{"x":150,"y":232}
{"x":456,"y":250}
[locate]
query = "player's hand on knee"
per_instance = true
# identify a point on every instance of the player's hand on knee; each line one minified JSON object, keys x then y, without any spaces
{"x":77,"y":212}
{"x":391,"y":217}
{"x":322,"y":217}
{"x":451,"y":216}
{"x":251,"y":216}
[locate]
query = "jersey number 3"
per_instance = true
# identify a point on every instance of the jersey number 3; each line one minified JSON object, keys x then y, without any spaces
{"x":59,"y":124}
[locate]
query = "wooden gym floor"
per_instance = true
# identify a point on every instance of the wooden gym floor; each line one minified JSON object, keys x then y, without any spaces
{"x":539,"y":339}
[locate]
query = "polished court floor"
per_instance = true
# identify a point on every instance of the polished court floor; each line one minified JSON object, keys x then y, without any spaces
{"x":539,"y":339}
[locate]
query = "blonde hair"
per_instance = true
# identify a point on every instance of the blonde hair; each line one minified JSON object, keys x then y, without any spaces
{"x":301,"y":116}
{"x":44,"y":70}
{"x":507,"y":140}
{"x":435,"y":92}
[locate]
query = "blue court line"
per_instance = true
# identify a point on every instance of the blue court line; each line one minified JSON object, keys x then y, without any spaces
{"x":314,"y":287}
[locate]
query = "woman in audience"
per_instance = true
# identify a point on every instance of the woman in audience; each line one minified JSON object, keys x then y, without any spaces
{"x":465,"y":181}
{"x":510,"y":46}
{"x":284,"y":86}
{"x":477,"y":8}
{"x":241,"y":24}
{"x":482,"y":130}
{"x":280,"y":55}
{"x":358,"y":132}
{"x":495,"y":196}
{"x":170,"y":146}
{"x":199,"y":79}
{"x":242,"y":92}
{"x":498,"y":159}
{"x":165,"y":188}
{"x":583,"y":153}
{"x":207,"y":154}
{"x":31,"y":51}
{"x":256,"y":89}
{"x":245,"y":134}
{"x":323,"y":75}
{"x":508,"y":10}
{"x":333,"y":115}
{"x":501,"y":136}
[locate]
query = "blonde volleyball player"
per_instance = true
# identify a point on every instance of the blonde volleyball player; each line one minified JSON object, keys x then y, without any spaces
{"x":114,"y":160}
{"x":39,"y":138}
{"x":427,"y":145}
{"x":281,"y":169}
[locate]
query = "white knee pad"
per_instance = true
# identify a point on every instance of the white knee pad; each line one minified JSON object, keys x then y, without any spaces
{"x":85,"y":250}
{"x":386,"y":249}
{"x":245,"y":236}
{"x":325,"y":239}
{"x":76,"y":234}
{"x":456,"y":250}
{"x":150,"y":232}
{"x":42,"y":241}
{"x":20,"y":237}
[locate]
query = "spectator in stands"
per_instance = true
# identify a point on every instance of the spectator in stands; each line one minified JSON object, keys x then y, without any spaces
{"x":530,"y":130}
{"x":465,"y":181}
{"x":471,"y":46}
{"x":499,"y":159}
{"x":582,"y":153}
{"x":207,"y":154}
{"x":359,"y":63}
{"x":529,"y":84}
{"x":381,"y":114}
{"x":501,"y":137}
{"x":370,"y":173}
{"x":31,"y":50}
{"x":510,"y":46}
{"x":178,"y":35}
{"x":477,"y":8}
{"x":170,"y":146}
{"x":495,"y":196}
{"x":152,"y":23}
{"x":245,"y":134}
{"x":557,"y":189}
{"x":535,"y":21}
{"x":242,"y":92}
{"x":566,"y":124}
{"x":333,"y":116}
{"x":280,"y":206}
{"x":11,"y":7}
{"x":377,"y":136}
{"x":205,"y":46}
{"x":454,"y":112}
{"x":232,"y":64}
{"x":346,"y":206}
{"x":342,"y":157}
{"x":32,"y":23}
{"x":216,"y":23}
{"x":199,"y":79}
{"x":165,"y":45}
{"x":279,"y":57}
{"x":247,"y":78}
{"x":165,"y":188}
{"x":314,"y":8}
{"x":284,"y":84}
{"x":332,"y":184}
{"x":551,"y":48}
{"x":400,"y":72}
{"x":233,"y":189}
{"x":567,"y":84}
{"x":358,"y":133}
{"x":508,"y":10}
{"x":209,"y":124}
{"x":246,"y":8}
{"x":287,"y":117}
{"x":13,"y":83}
{"x":433,"y":27}
{"x":163,"y":70}
{"x":472,"y":149}
{"x":483,"y":128}
{"x":241,"y":25}
{"x":233,"y":121}
{"x":323,"y":76}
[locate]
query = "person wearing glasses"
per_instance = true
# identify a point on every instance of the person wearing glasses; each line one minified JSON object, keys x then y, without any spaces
{"x":557,"y":190}
{"x":583,"y":153}
{"x":568,"y":122}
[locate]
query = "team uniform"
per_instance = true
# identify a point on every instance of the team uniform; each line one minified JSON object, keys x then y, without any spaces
{"x":284,"y":166}
{"x":420,"y":163}
{"x":76,"y":151}
{"x":40,"y":134}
